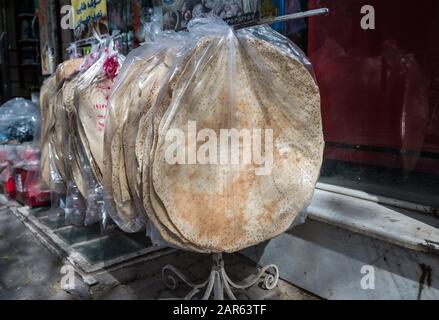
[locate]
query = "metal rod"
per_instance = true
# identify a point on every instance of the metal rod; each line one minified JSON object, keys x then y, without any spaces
{"x":288,"y":17}
{"x":295,"y":16}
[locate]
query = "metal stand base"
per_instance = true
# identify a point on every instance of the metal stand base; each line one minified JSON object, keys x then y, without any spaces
{"x":218,"y":281}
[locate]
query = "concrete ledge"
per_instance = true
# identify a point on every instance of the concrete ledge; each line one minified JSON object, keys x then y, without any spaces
{"x":409,"y":229}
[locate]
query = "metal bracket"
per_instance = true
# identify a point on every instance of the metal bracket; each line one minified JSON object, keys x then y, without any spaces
{"x":218,"y":281}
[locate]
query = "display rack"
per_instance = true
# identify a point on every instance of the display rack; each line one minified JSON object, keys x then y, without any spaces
{"x":218,"y":281}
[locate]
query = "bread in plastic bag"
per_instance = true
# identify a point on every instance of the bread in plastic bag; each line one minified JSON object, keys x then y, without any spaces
{"x":198,"y":86}
{"x":47,"y":93}
{"x":142,"y":76}
{"x":243,"y":81}
{"x":53,"y":133}
{"x":86,"y":129}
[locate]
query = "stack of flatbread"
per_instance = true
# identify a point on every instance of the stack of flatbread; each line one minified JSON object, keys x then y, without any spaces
{"x":73,"y":105}
{"x":46,"y":104}
{"x":141,"y":85}
{"x":52,"y":156}
{"x":213,"y":136}
{"x":88,"y":117}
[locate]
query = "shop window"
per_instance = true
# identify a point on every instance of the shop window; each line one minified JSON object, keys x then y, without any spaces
{"x":380,"y":96}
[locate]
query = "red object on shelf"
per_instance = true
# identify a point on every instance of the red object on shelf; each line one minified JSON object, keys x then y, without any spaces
{"x":9,"y":188}
{"x":7,"y":185}
{"x":28,"y":189}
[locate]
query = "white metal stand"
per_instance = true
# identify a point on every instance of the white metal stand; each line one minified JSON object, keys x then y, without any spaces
{"x":218,"y":281}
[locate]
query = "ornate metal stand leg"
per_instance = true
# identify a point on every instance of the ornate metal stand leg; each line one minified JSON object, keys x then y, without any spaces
{"x":218,"y":281}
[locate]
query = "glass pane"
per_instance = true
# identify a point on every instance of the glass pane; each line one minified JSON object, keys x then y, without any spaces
{"x":380,"y":96}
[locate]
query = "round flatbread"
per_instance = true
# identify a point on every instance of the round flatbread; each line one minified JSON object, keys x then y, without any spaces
{"x":251,"y":86}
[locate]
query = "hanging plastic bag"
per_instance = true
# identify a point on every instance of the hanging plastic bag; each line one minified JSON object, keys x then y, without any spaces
{"x":75,"y":201}
{"x":52,"y":168}
{"x":52,"y":134}
{"x":91,"y":93}
{"x":140,"y":84}
{"x":65,"y":193}
{"x":239,"y":146}
{"x":47,"y":93}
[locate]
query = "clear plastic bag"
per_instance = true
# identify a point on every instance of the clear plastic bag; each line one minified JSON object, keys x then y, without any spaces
{"x":53,"y":168}
{"x":86,"y":127}
{"x":63,"y":161}
{"x":282,"y":43}
{"x":75,"y":202}
{"x":249,"y":101}
{"x":36,"y":191}
{"x":140,"y":85}
{"x":47,"y":93}
{"x":19,"y":122}
{"x":75,"y":206}
{"x":20,"y":128}
{"x":27,"y":157}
